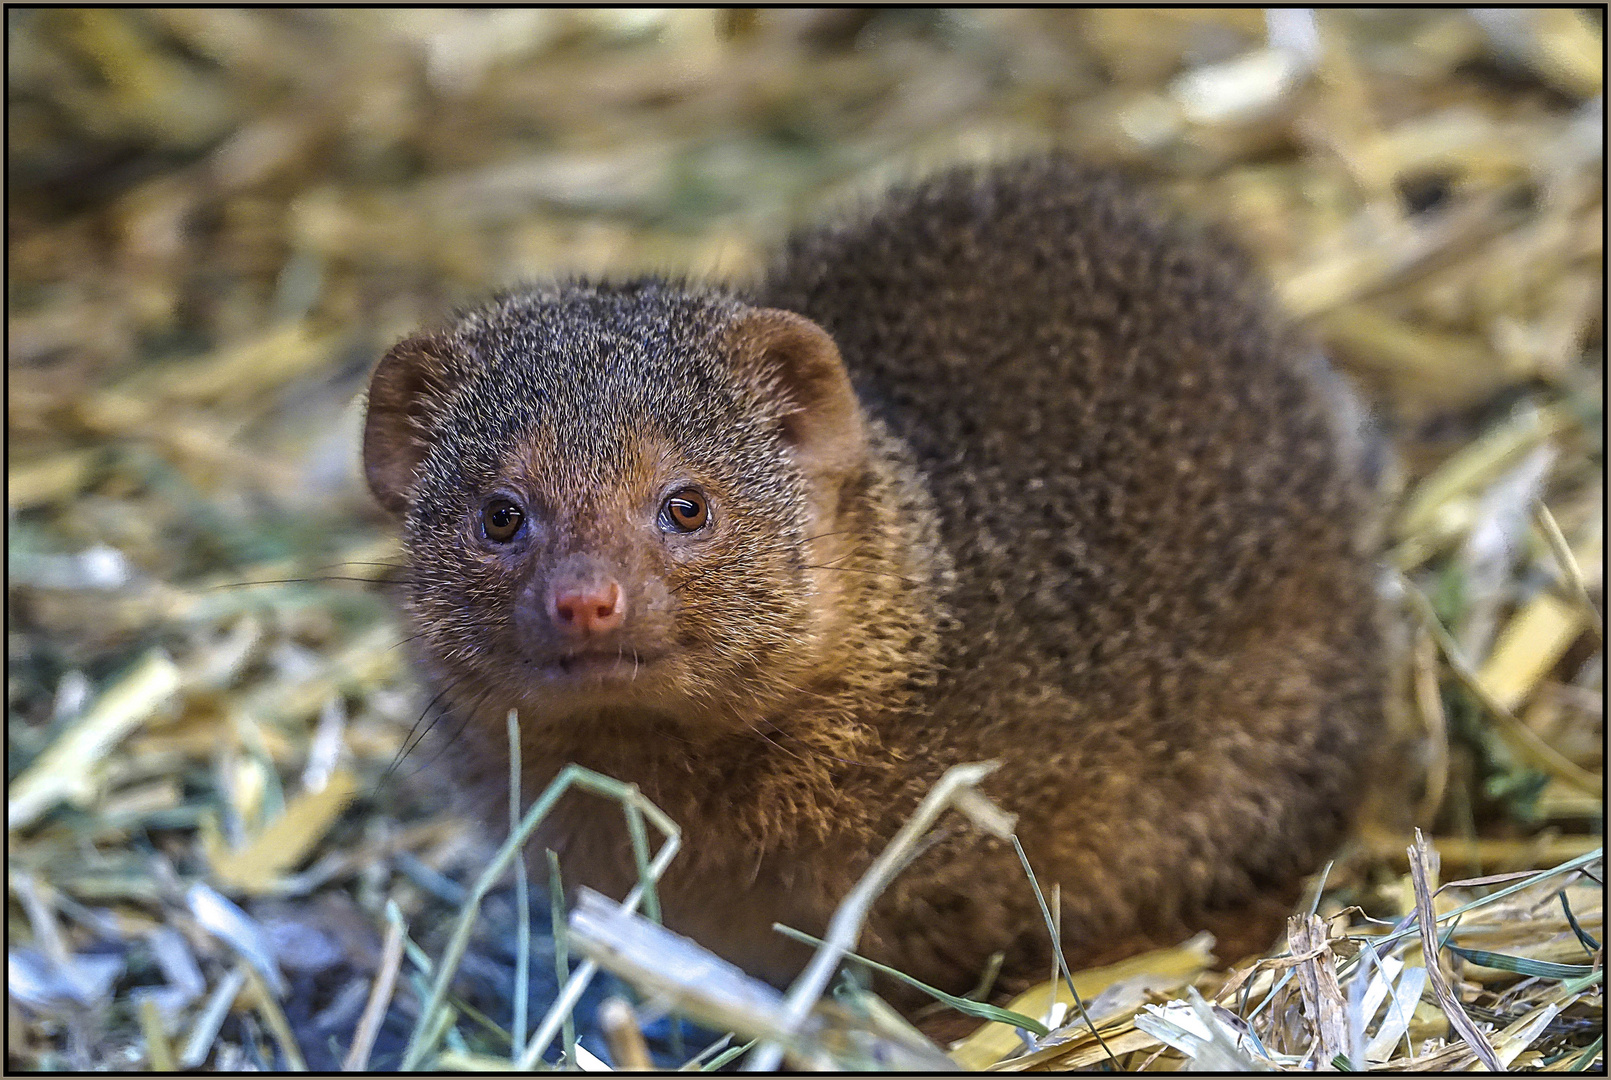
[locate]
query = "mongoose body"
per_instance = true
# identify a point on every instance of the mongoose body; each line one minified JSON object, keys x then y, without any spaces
{"x":1004,"y":466}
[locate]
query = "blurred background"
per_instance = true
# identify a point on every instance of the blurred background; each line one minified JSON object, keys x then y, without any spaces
{"x":218,"y":220}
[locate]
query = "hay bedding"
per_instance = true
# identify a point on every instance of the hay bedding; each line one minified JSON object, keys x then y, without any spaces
{"x":218,"y":219}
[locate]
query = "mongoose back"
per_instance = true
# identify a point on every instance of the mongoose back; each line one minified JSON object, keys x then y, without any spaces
{"x":1003,"y":466}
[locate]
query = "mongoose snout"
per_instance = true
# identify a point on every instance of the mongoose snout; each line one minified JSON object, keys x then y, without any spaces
{"x":584,"y":601}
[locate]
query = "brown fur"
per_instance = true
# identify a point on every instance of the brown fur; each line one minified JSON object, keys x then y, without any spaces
{"x":1007,"y":467}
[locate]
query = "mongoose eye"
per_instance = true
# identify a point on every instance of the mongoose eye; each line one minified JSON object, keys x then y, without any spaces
{"x":500,"y":520}
{"x":685,"y":511}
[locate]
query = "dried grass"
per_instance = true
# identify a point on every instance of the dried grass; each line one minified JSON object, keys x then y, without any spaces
{"x":218,"y":218}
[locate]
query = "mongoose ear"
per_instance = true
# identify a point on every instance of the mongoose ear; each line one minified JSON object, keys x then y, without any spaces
{"x":788,"y":356}
{"x":406,"y":393}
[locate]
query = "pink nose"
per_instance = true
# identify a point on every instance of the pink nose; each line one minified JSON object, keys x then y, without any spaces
{"x":593,"y":609}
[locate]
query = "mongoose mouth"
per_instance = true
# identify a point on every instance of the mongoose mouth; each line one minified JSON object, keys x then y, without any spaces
{"x":612,"y":665}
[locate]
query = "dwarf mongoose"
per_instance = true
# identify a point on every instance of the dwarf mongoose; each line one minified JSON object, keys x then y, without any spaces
{"x":1006,"y":465}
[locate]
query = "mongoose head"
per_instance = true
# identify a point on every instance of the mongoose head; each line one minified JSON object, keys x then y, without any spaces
{"x":611,"y":495}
